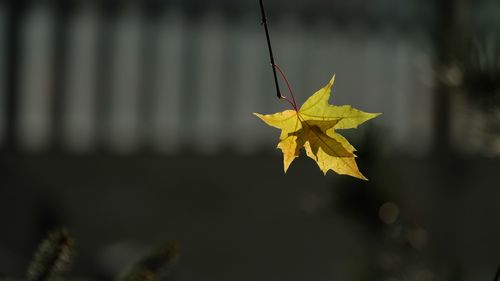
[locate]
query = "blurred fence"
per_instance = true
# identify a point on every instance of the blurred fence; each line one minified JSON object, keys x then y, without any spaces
{"x":127,"y":81}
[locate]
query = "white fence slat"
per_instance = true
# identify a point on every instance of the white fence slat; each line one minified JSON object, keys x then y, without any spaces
{"x":124,"y":126}
{"x":247,"y":94}
{"x":36,"y":79}
{"x":79,"y":110}
{"x":290,"y":53}
{"x":342,"y":66}
{"x":168,"y":82}
{"x":321,"y":59}
{"x":208,"y":97}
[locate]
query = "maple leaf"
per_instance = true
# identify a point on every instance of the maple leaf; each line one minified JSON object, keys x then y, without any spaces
{"x":313,"y":127}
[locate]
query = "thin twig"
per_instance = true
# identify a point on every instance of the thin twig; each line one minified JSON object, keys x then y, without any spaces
{"x":497,"y":275}
{"x":264,"y":22}
{"x":294,"y":103}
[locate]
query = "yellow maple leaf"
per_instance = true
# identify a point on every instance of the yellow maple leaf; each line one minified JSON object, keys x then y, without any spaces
{"x":313,"y":127}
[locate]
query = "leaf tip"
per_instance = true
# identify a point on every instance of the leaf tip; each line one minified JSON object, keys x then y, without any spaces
{"x":260,"y":116}
{"x":287,"y":163}
{"x":322,"y":168}
{"x":332,"y":81}
{"x":361,"y":177}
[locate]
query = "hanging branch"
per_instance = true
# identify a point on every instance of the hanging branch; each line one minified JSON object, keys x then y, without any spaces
{"x":273,"y":65}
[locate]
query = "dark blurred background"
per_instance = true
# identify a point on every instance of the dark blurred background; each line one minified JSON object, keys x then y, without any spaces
{"x":130,"y":123}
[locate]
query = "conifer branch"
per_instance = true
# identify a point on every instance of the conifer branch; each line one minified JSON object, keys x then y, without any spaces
{"x":155,"y":266}
{"x":53,"y":257}
{"x":497,"y":275}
